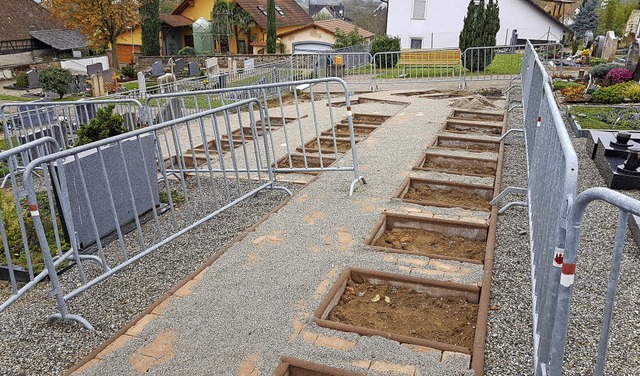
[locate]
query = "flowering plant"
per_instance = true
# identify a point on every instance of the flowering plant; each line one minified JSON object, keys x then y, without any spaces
{"x":618,"y":75}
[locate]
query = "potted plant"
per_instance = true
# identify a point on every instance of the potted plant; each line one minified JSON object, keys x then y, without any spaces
{"x":130,"y":167}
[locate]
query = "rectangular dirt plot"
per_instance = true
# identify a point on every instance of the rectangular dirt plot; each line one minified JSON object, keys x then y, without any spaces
{"x":454,"y":164}
{"x":441,"y":315}
{"x":277,"y":121}
{"x":342,"y":130}
{"x":327,"y":145}
{"x":431,"y":237}
{"x":477,"y":115}
{"x":474,"y":145}
{"x":297,"y":367}
{"x":373,"y":119}
{"x":446,"y":194}
{"x":470,"y":127}
{"x":298,"y":161}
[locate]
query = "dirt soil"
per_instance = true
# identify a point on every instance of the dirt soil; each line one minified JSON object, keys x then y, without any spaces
{"x":299,"y":163}
{"x":327,"y":146}
{"x":460,"y":168}
{"x":432,"y":242}
{"x":469,"y":146}
{"x":450,"y":197}
{"x":343,"y":131}
{"x":477,"y":102}
{"x":474,"y":130}
{"x":450,"y":320}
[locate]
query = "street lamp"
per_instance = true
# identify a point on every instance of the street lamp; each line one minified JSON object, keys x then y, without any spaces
{"x":133,"y":50}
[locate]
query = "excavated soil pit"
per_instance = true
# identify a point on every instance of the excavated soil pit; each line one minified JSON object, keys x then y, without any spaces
{"x":277,"y":121}
{"x":470,"y":127}
{"x":367,"y":119}
{"x":360,"y":100}
{"x":297,"y":367}
{"x":476,"y":145}
{"x":431,"y":237}
{"x":461,"y":165}
{"x":342,"y":130}
{"x":477,"y":115}
{"x":326,"y":146}
{"x":416,"y":93}
{"x":436,"y":314}
{"x":446,"y":194}
{"x":297,"y":161}
{"x":248,"y":135}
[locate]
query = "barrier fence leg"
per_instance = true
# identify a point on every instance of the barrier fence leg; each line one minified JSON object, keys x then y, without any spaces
{"x":505,"y":192}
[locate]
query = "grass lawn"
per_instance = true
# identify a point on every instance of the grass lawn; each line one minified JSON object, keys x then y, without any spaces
{"x":606,"y":118}
{"x":14,"y":98}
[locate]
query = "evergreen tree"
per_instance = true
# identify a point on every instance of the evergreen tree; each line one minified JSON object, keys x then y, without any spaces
{"x":271,"y":27}
{"x":481,"y":24}
{"x":587,"y":19}
{"x":150,"y":14}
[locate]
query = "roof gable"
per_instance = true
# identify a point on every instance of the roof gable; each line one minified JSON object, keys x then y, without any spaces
{"x":23,"y":16}
{"x":290,"y":14}
{"x":546,"y":14}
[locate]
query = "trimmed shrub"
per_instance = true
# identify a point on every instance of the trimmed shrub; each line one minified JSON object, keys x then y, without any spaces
{"x":632,"y":92}
{"x":619,"y":75}
{"x":187,"y":51}
{"x":610,"y":94}
{"x":600,"y":71}
{"x":106,"y":124}
{"x":595,"y":61}
{"x":385,"y":43}
{"x":22,"y":81}
{"x":56,"y":80}
{"x":128,"y":71}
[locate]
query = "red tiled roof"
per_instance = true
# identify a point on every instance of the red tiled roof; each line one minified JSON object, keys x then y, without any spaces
{"x":293,"y":14}
{"x":176,"y":20}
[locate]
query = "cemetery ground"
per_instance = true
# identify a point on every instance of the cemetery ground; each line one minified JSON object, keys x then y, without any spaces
{"x":234,"y":296}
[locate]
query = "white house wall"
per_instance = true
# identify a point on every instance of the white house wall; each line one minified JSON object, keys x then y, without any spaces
{"x":444,"y":19}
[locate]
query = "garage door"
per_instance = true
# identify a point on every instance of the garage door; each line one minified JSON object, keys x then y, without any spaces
{"x":304,"y":47}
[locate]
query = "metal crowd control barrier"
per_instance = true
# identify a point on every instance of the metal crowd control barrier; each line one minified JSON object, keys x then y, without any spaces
{"x":19,"y":241}
{"x":144,"y":181}
{"x":627,"y":206}
{"x":23,"y":122}
{"x":306,"y":135}
{"x":416,"y":66}
{"x":353,"y":67}
{"x":503,"y":62}
{"x":552,"y":170}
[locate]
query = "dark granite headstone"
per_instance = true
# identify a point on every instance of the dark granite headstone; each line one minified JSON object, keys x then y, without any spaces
{"x":157,"y":69}
{"x":33,"y":78}
{"x":93,"y":69}
{"x":194,"y":69}
{"x":178,"y":68}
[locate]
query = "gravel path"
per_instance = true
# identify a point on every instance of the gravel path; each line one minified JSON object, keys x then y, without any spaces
{"x":29,"y":345}
{"x":509,"y":335}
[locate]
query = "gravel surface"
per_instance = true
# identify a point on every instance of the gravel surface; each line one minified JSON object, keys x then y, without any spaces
{"x":509,"y":335}
{"x":29,"y":345}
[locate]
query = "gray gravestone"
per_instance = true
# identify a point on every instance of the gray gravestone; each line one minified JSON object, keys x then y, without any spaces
{"x":610,"y":46}
{"x":249,"y":66}
{"x":157,"y":69}
{"x":194,"y":69}
{"x":142,"y":84}
{"x":178,"y":67}
{"x":633,"y":55}
{"x":598,"y":46}
{"x":93,"y":69}
{"x":107,"y":75}
{"x":117,"y":160}
{"x":588,"y":39}
{"x":33,"y":78}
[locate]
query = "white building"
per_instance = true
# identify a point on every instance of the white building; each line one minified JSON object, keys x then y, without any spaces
{"x":437,"y":23}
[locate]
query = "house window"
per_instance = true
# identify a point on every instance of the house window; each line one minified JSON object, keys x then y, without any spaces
{"x":261,"y":9}
{"x":416,"y":43}
{"x":419,"y":9}
{"x":279,"y":10}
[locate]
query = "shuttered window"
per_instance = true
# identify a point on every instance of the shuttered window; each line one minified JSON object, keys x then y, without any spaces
{"x":419,"y":9}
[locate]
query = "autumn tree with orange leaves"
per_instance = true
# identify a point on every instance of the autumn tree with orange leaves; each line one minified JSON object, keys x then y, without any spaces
{"x":100,"y":21}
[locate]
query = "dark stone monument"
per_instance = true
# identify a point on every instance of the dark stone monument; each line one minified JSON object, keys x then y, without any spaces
{"x":588,"y":39}
{"x":33,"y":78}
{"x":94,"y":69}
{"x":157,"y":69}
{"x":107,"y":75}
{"x":194,"y":69}
{"x":178,"y":68}
{"x":616,"y":154}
